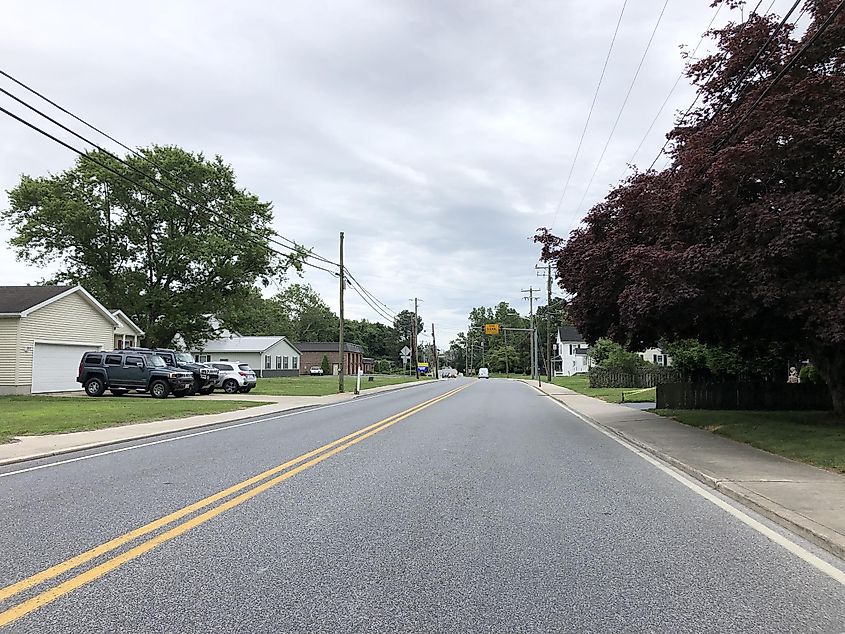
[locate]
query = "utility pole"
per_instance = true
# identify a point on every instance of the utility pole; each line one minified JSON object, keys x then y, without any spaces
{"x":340,"y":350}
{"x":534,"y":369}
{"x":507,"y":369}
{"x":434,"y":350}
{"x":414,"y":345}
{"x":548,"y":319}
{"x":468,"y":355}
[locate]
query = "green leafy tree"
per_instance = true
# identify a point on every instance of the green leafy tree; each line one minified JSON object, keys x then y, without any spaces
{"x":325,"y":365}
{"x":163,"y":259}
{"x":610,"y":355}
{"x":502,"y":358}
{"x":310,"y":317}
{"x":403,"y":323}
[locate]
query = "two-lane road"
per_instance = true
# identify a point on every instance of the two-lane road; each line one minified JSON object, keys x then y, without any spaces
{"x":458,"y":506}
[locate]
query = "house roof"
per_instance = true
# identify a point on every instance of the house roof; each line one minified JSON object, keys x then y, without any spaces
{"x":20,"y":301}
{"x":243,"y":344}
{"x":125,"y":319}
{"x":569,"y":333}
{"x":16,"y":299}
{"x":327,"y":346}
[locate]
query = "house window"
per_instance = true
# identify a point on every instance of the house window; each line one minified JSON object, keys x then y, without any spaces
{"x":286,"y":362}
{"x":268,"y":362}
{"x":294,"y":362}
{"x":203,"y":358}
{"x":659,"y":359}
{"x":278,"y":363}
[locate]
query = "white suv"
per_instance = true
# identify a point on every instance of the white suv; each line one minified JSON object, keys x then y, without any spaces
{"x":234,"y":376}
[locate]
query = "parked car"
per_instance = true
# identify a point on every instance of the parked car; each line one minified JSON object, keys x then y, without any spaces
{"x":315,"y":370}
{"x":234,"y":376}
{"x":205,"y":378}
{"x":122,"y":370}
{"x":483,"y":373}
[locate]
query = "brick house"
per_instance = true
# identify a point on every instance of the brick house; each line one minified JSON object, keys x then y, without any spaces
{"x":314,"y":351}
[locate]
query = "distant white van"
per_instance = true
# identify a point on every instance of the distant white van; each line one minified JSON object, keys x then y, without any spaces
{"x":483,"y":373}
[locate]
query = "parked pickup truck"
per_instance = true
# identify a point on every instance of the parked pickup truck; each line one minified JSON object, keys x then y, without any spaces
{"x":204,"y":377}
{"x":122,"y":370}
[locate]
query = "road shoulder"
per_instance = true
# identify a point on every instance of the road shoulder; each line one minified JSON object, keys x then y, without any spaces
{"x":25,"y":448}
{"x":804,"y":499}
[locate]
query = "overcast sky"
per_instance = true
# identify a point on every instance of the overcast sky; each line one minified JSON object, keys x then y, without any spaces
{"x":437,"y":134}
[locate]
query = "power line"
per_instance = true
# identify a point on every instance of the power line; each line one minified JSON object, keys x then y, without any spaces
{"x":146,"y":175}
{"x":163,"y":171}
{"x":589,"y":113}
{"x":373,"y":297}
{"x":671,"y":92}
{"x":819,"y":32}
{"x":158,"y":195}
{"x":624,"y":103}
{"x":698,"y":94}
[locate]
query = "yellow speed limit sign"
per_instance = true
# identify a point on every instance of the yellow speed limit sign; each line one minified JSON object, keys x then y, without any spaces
{"x":491,"y":329}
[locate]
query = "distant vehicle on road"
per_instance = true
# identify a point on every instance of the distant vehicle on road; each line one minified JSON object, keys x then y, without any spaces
{"x":315,"y":370}
{"x":449,"y":373}
{"x":483,"y":373}
{"x":234,"y":376}
{"x":122,"y":370}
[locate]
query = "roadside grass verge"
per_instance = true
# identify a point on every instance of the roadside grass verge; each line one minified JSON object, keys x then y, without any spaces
{"x":37,"y":415}
{"x":322,"y":385}
{"x":816,"y":438}
{"x":581,"y":383}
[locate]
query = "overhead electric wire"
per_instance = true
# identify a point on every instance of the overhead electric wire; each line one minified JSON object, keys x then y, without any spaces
{"x":624,"y":103}
{"x":160,"y":196}
{"x":163,"y":171}
{"x":819,"y":32}
{"x":589,"y":114}
{"x":369,"y":303}
{"x":698,"y":94}
{"x":671,"y":92}
{"x":373,"y":297}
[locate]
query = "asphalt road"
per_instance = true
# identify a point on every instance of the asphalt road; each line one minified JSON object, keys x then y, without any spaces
{"x":489,"y":510}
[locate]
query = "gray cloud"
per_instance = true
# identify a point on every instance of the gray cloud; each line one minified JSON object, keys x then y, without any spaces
{"x":437,"y":134}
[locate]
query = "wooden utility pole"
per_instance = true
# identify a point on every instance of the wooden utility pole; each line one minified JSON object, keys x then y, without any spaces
{"x":535,"y":373}
{"x":434,"y":350}
{"x":340,"y":347}
{"x":548,"y":271}
{"x":414,"y":345}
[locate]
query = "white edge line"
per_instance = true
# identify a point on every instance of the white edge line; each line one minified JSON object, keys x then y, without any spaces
{"x":817,"y":562}
{"x":261,"y":419}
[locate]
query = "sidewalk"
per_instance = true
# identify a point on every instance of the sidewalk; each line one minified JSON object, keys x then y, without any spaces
{"x":806,"y":500}
{"x":34,"y":447}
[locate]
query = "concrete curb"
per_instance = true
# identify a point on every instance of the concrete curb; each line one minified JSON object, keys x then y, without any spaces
{"x":248,"y":413}
{"x":792,"y":521}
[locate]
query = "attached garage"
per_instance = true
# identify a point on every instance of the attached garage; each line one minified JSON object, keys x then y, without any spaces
{"x":54,"y":365}
{"x":44,"y":330}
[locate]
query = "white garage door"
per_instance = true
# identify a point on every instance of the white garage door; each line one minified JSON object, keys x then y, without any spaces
{"x":54,"y":366}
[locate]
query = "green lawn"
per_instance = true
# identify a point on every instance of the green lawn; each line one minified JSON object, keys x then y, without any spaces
{"x":321,"y":385}
{"x":812,"y":437}
{"x":581,"y":383}
{"x":35,"y":415}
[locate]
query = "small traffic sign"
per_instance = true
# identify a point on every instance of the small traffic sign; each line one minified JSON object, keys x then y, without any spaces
{"x":405,"y":351}
{"x":491,"y":329}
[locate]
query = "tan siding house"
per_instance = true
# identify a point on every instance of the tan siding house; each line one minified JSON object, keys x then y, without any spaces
{"x":43,"y":332}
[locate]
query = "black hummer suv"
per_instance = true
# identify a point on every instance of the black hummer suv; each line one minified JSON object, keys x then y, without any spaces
{"x":204,"y":377}
{"x":122,"y":370}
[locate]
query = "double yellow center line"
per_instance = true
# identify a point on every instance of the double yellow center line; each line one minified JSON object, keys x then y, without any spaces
{"x":266,"y":479}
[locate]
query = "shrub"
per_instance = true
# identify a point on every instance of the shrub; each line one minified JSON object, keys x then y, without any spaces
{"x":809,"y":374}
{"x":325,"y":365}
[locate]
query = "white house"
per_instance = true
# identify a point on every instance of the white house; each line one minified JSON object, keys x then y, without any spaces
{"x":573,"y":353}
{"x":656,"y":356}
{"x":44,"y":330}
{"x":268,"y":356}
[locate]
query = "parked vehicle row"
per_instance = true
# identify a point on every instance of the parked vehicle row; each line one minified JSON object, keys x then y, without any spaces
{"x":160,"y":373}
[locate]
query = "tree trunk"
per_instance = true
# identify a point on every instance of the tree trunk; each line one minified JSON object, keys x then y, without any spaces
{"x":830,"y":362}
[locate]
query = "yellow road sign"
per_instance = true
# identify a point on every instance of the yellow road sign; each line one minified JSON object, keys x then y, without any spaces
{"x":491,"y":329}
